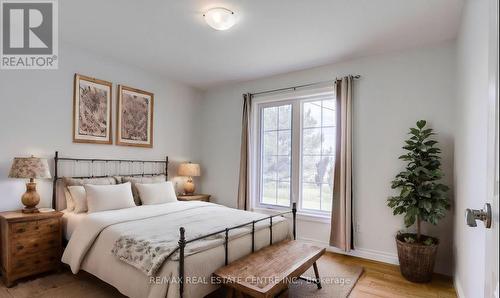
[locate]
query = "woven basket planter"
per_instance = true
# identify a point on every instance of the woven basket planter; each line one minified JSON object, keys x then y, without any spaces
{"x":416,"y":260}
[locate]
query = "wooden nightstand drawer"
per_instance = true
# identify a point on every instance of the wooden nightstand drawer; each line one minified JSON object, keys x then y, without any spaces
{"x":39,"y":262}
{"x":37,"y":228}
{"x":30,"y":244}
{"x":22,"y":228}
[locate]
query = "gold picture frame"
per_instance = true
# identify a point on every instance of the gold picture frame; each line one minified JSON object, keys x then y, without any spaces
{"x":134,"y":117}
{"x":92,"y":104}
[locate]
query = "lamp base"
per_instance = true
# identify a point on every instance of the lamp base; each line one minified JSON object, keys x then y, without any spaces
{"x":189,"y":187}
{"x":30,"y":210}
{"x":30,"y":198}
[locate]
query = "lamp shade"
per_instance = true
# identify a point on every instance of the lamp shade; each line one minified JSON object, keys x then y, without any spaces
{"x":29,"y":167}
{"x":189,"y":169}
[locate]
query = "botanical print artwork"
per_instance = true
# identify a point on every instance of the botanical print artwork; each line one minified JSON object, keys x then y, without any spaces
{"x":91,"y":110}
{"x":135,"y":117}
{"x":92,"y":116}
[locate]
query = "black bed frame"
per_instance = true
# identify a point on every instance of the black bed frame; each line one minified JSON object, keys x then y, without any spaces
{"x":182,"y":232}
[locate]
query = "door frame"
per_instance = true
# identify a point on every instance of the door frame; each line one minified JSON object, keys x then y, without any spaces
{"x":491,"y":285}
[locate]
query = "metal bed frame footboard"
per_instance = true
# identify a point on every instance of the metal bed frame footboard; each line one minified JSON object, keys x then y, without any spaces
{"x":183,"y":242}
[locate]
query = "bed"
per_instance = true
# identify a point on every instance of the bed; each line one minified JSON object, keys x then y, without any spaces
{"x":199,"y":237}
{"x":70,"y":220}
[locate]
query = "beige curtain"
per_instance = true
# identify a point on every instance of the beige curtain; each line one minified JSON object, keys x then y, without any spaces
{"x":243,"y":185}
{"x":341,"y":224}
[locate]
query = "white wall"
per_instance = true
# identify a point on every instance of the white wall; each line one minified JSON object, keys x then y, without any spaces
{"x":36,"y":117}
{"x":395,"y":90}
{"x":471,"y":146}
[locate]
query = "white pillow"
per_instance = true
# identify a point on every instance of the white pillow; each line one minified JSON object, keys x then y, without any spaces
{"x":79,"y":197}
{"x":156,"y":193}
{"x":70,"y":202}
{"x":109,"y":197}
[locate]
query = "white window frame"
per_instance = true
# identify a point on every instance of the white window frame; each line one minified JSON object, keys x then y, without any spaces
{"x":301,"y":128}
{"x":260,"y":142}
{"x":295,"y":98}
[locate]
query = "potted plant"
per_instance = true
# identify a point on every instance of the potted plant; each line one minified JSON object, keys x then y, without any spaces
{"x":421,"y":198}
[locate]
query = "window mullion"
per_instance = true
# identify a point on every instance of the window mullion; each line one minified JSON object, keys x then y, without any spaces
{"x":277,"y":152}
{"x":321,"y":157}
{"x":296,"y":141}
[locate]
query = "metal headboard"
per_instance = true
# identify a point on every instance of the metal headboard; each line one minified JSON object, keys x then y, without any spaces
{"x":163,"y":170}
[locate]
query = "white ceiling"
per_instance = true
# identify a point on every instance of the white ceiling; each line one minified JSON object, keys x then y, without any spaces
{"x":169,"y":37}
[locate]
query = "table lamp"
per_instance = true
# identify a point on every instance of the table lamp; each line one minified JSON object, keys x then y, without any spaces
{"x":190,"y":170}
{"x":30,"y":168}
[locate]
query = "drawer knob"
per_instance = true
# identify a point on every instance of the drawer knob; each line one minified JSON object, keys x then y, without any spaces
{"x":21,"y":230}
{"x":19,"y":247}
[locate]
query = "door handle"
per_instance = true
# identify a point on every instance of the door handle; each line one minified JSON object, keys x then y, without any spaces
{"x":484,"y":215}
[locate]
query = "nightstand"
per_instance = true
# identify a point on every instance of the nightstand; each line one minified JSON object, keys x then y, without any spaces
{"x":31,"y":243}
{"x":196,"y":197}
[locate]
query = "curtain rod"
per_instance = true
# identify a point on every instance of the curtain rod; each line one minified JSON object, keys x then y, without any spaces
{"x":300,"y":86}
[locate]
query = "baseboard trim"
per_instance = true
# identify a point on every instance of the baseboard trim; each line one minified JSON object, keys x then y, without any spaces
{"x":364,"y":253}
{"x":458,"y":287}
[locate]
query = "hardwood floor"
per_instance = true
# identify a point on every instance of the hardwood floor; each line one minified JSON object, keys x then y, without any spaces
{"x":377,"y":280}
{"x":385,"y":280}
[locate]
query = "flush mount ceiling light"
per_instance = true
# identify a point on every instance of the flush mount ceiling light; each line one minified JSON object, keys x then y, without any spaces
{"x":220,"y":18}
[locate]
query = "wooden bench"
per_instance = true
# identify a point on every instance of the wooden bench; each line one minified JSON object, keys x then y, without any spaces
{"x":267,"y":272}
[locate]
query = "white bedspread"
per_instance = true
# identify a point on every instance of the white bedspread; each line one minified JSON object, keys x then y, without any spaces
{"x":91,"y":243}
{"x":71,"y":220}
{"x":152,"y":242}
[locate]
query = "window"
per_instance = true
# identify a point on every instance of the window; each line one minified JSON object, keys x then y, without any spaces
{"x":296,"y":153}
{"x":317,"y":154}
{"x":276,"y":154}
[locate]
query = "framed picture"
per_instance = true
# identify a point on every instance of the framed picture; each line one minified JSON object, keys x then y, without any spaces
{"x":92,"y":111}
{"x":134,"y":117}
